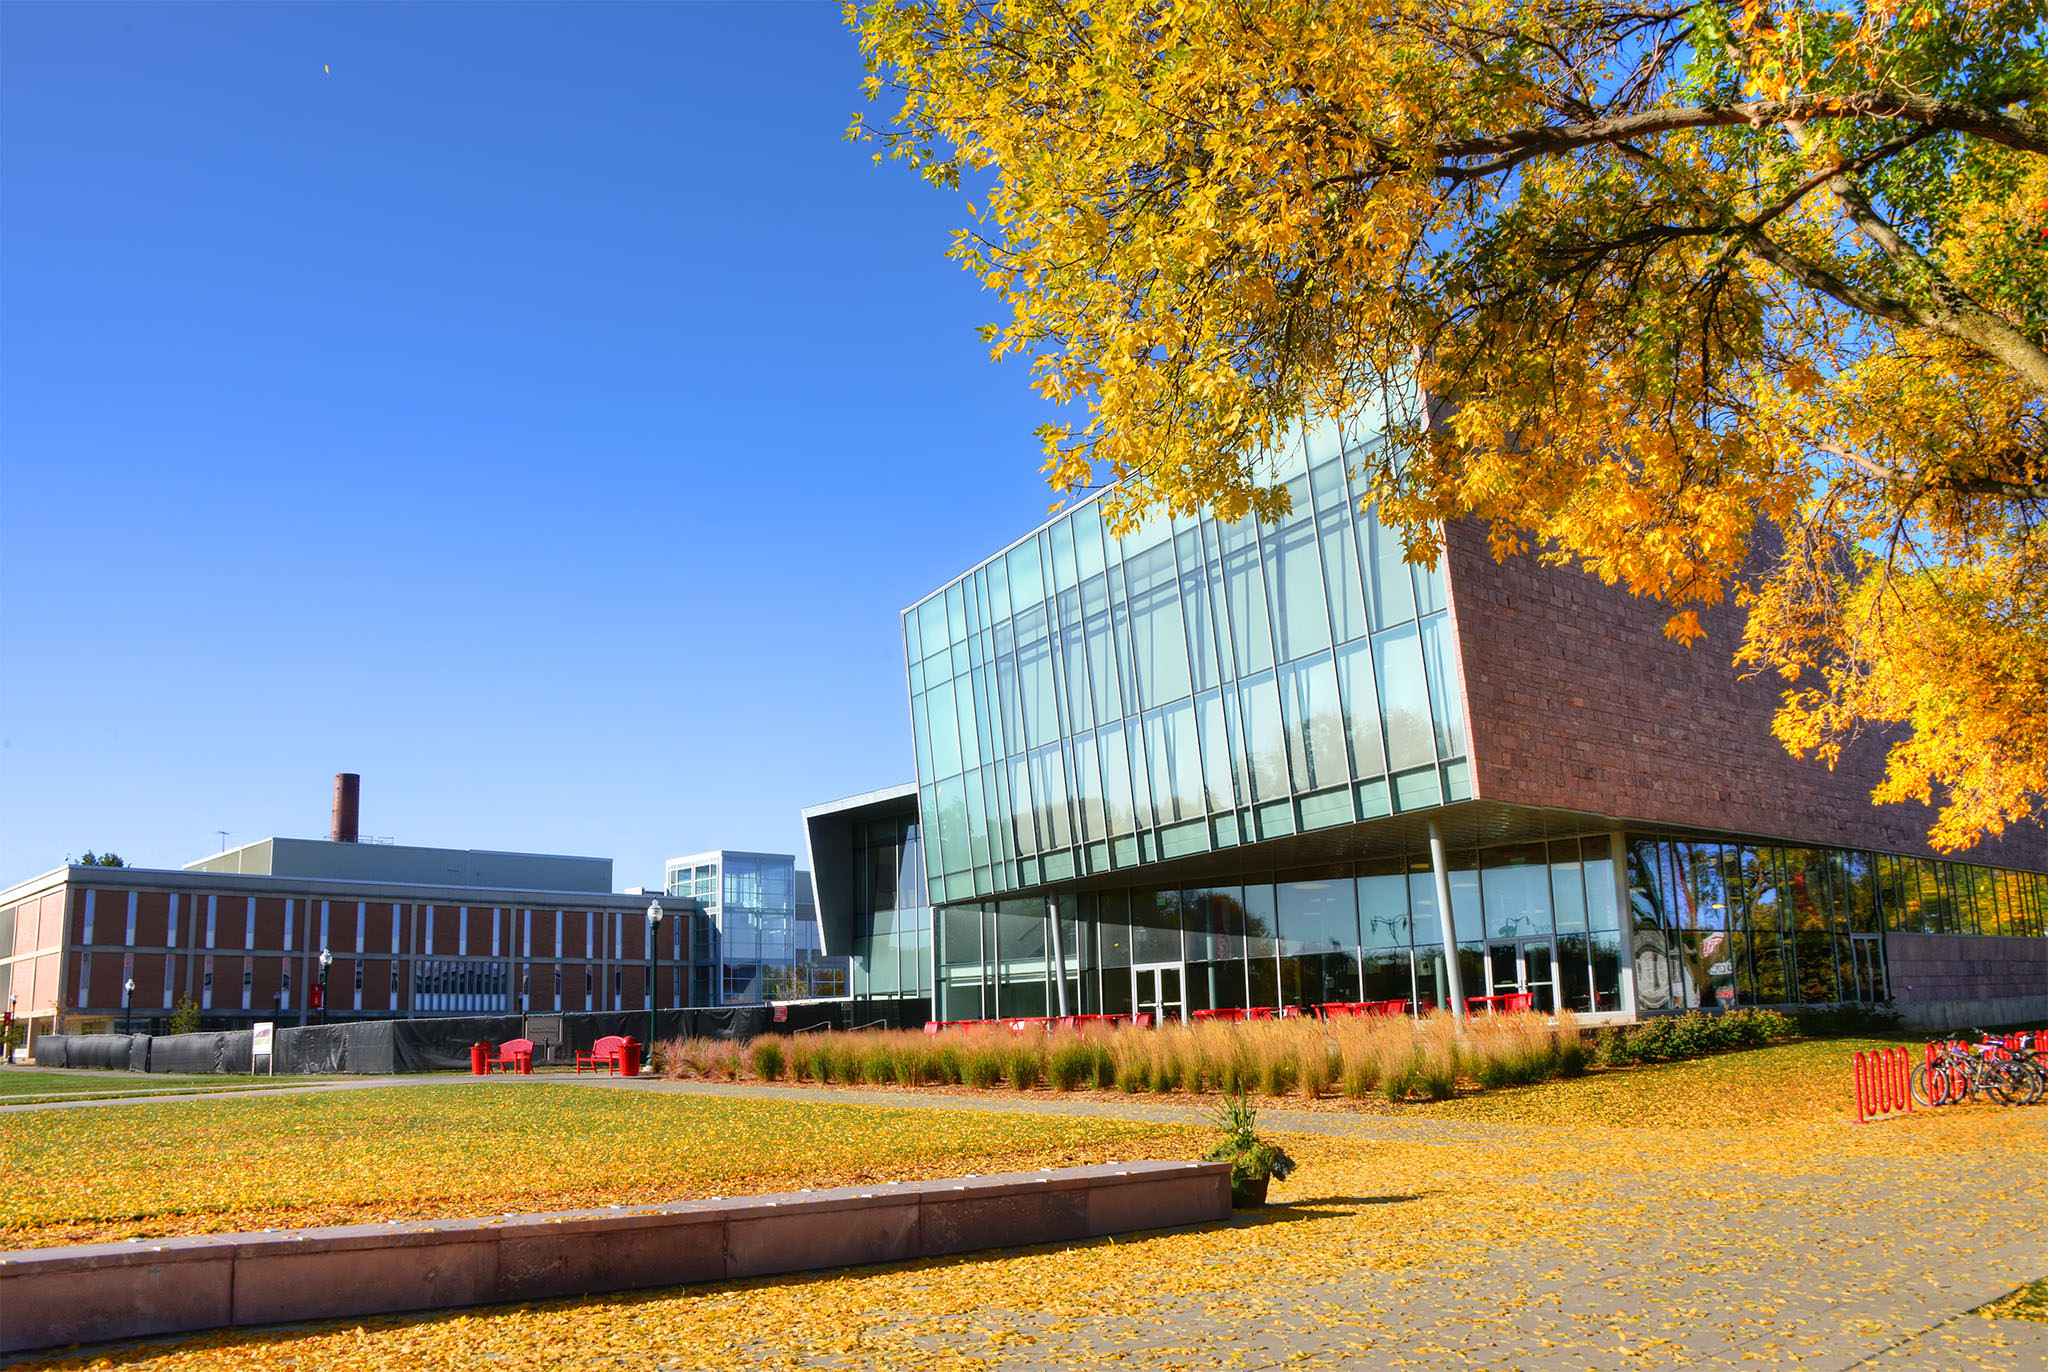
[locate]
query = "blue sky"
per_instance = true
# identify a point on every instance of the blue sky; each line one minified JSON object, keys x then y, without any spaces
{"x":540,"y":410}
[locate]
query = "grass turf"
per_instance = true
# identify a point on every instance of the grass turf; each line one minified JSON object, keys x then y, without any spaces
{"x":76,"y":1176}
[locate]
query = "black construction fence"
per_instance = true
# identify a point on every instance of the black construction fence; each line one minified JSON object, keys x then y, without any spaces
{"x":392,"y":1046}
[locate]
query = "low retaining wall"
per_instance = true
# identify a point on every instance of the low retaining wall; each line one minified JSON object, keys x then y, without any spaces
{"x":100,"y":1292}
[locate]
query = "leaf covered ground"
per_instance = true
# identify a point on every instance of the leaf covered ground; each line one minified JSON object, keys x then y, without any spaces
{"x":1628,"y":1237}
{"x":415,"y":1152}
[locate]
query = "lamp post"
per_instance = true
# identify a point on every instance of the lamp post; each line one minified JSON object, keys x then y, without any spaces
{"x":653,"y":928}
{"x":326,"y":961}
{"x":127,"y":994}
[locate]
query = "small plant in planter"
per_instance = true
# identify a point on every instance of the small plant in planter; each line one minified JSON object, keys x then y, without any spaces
{"x":1253,"y":1162}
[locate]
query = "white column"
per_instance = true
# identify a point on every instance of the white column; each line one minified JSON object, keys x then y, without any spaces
{"x":1059,"y":954}
{"x":1625,"y":919}
{"x":1442,"y":871}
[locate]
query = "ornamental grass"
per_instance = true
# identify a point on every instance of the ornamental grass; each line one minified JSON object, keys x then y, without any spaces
{"x":1393,"y":1057}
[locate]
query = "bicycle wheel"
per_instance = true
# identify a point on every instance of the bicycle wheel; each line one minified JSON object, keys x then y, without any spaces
{"x":1931,"y":1084}
{"x":2006,"y":1082}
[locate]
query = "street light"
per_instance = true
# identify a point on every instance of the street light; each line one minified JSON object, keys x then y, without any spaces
{"x":653,"y":928}
{"x":127,"y":994}
{"x":326,"y":961}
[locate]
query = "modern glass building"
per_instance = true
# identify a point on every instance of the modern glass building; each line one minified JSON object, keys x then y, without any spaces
{"x":1212,"y":765}
{"x":761,"y":929}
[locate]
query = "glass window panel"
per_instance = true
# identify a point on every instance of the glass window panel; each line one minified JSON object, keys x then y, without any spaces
{"x":1027,"y":586}
{"x":1116,"y":782}
{"x":1318,"y":941}
{"x":1265,"y":738}
{"x":1606,"y":952}
{"x":931,"y":624}
{"x":920,"y":732}
{"x":1173,"y":752}
{"x":1446,"y":685}
{"x":1260,"y":949}
{"x":1088,"y":540}
{"x":1141,"y":777}
{"x":1201,"y":624}
{"x":1404,"y":698}
{"x":956,"y":614}
{"x":1102,"y":667}
{"x":1039,"y":705}
{"x":1064,"y":573}
{"x":1159,"y":642}
{"x":1049,"y":790}
{"x":1155,"y":927}
{"x":1314,"y":719}
{"x":1245,"y":595}
{"x":1567,"y":887}
{"x":1219,"y":769}
{"x":1429,"y":587}
{"x":969,"y":733}
{"x":1429,"y":930}
{"x":1383,"y":920}
{"x":1295,"y":581}
{"x":1023,"y":827}
{"x":1088,"y":788}
{"x":1515,"y":884}
{"x":955,"y":852}
{"x":1389,"y":596}
{"x":1361,"y":709}
{"x":1213,"y":923}
{"x":1074,"y":658}
{"x":1340,"y":560}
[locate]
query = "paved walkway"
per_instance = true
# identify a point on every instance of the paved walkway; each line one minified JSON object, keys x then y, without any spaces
{"x":1679,"y":1259}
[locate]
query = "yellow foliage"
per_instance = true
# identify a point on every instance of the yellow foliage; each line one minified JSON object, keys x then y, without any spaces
{"x":1730,"y":299}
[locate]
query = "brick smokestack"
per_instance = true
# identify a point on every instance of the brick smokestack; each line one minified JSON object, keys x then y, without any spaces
{"x":348,"y":796}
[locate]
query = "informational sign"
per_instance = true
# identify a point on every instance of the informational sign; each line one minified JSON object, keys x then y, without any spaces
{"x":264,"y":1060}
{"x":782,"y":1014}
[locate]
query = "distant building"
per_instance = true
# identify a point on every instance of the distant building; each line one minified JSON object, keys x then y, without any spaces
{"x":410,"y":931}
{"x":762,"y":922}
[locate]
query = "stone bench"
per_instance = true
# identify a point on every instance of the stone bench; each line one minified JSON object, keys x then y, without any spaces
{"x":100,"y":1292}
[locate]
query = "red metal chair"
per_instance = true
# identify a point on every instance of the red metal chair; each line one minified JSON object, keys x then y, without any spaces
{"x":513,"y":1055}
{"x":608,"y":1053}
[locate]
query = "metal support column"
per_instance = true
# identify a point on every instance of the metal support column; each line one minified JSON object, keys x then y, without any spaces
{"x":1453,"y":977}
{"x":1059,"y":954}
{"x":1625,"y":920}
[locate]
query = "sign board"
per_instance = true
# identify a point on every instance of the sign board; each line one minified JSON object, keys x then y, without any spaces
{"x":782,"y":1014}
{"x":260,"y":1048}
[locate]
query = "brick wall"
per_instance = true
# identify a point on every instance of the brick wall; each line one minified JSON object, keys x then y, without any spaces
{"x":1577,"y":700}
{"x":1948,"y":967}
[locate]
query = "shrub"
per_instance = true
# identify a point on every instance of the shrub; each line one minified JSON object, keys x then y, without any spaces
{"x":1359,"y":1077}
{"x":1398,"y":1077}
{"x":1069,"y":1065}
{"x":945,"y":1064}
{"x":1165,"y":1073}
{"x":981,"y":1066}
{"x":1102,"y":1067}
{"x":768,"y":1059}
{"x":1571,"y":1055}
{"x":1023,"y":1065}
{"x":1277,"y":1075}
{"x":1313,"y":1073}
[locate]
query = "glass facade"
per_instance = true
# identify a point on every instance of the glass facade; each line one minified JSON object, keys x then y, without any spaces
{"x":1084,"y":703}
{"x":892,"y":924}
{"x":764,"y":942}
{"x":1541,"y":917}
{"x":1719,"y":924}
{"x":1710,"y":925}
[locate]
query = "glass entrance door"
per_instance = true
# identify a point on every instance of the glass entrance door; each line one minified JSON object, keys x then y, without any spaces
{"x":1529,"y":965}
{"x":1159,"y":992}
{"x":1867,"y":953}
{"x":1539,"y":975}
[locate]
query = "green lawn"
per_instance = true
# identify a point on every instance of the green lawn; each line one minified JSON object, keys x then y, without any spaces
{"x":1801,"y":1082}
{"x":27,"y":1085}
{"x":2030,"y":1302}
{"x":72,"y":1176}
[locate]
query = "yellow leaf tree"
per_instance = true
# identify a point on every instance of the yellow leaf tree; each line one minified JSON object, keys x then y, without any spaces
{"x":1728,"y":299}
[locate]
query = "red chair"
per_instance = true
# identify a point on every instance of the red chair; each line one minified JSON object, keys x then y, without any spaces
{"x":513,"y":1055}
{"x":608,"y":1052}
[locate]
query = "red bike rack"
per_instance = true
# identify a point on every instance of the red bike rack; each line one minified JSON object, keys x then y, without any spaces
{"x":1883,"y":1082}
